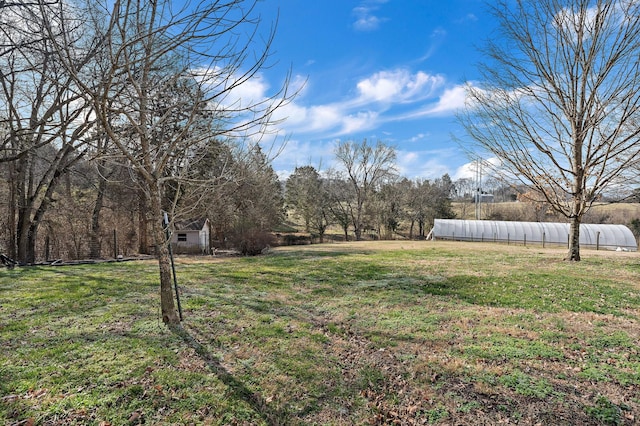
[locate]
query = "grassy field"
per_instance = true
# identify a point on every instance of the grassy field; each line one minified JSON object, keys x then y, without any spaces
{"x":336,"y":334}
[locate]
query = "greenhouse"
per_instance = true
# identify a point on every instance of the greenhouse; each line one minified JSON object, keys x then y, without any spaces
{"x":598,"y":236}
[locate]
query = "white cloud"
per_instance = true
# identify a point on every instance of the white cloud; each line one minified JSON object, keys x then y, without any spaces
{"x":424,"y":164}
{"x":366,"y":20}
{"x":469,"y":17}
{"x":379,"y":87}
{"x":451,"y":100}
{"x":470,"y":170}
{"x":359,"y":121}
{"x":235,"y":90}
{"x":436,"y":39}
{"x":297,"y":153}
{"x":466,"y":171}
{"x":324,"y":117}
{"x":398,"y":86}
{"x":418,"y":137}
{"x":375,"y":96}
{"x":421,"y":165}
{"x":250,"y":92}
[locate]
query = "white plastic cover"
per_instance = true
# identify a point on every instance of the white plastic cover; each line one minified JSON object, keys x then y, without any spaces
{"x":605,"y":236}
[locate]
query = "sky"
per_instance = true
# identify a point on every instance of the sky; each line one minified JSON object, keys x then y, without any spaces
{"x":382,"y":70}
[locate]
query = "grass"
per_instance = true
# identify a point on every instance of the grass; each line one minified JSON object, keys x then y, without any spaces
{"x":369,"y":333}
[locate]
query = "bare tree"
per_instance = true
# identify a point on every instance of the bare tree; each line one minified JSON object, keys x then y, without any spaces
{"x":464,"y":194}
{"x":386,"y":209}
{"x":367,"y":168}
{"x":168,"y":74}
{"x":340,"y":200}
{"x":426,"y":201}
{"x":560,"y":101}
{"x":45,"y":118}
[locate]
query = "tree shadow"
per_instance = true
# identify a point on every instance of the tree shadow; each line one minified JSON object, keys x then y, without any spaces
{"x":273,"y":416}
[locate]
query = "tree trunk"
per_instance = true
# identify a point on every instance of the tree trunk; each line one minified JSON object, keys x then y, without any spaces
{"x":22,"y":235}
{"x":11,"y":213}
{"x":94,"y":242}
{"x":23,"y":186}
{"x":40,"y":211}
{"x":169,"y":314}
{"x":32,"y":236}
{"x":33,"y":202}
{"x":574,"y":239}
{"x":27,"y":232}
{"x":142,"y":225}
{"x":357,"y":227}
{"x":577,"y":206}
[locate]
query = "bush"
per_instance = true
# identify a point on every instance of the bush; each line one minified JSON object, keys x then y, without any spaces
{"x":252,"y":243}
{"x":293,"y":240}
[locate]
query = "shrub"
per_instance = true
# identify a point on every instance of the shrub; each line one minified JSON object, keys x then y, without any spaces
{"x":253,"y":242}
{"x":293,"y":240}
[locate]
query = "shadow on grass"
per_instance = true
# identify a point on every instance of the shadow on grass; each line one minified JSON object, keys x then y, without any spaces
{"x":272,"y":416}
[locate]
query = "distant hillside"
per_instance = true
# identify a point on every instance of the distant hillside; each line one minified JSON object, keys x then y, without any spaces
{"x":618,"y":213}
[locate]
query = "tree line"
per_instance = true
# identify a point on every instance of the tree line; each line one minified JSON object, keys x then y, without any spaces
{"x":364,"y":194}
{"x":97,"y":210}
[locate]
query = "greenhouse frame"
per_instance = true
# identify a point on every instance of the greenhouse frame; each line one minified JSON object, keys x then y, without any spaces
{"x":598,"y":236}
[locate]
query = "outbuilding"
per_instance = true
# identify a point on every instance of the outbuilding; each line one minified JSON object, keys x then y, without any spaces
{"x":598,"y":236}
{"x":191,"y":236}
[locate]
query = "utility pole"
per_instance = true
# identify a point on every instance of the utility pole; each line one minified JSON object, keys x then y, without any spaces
{"x":478,"y":189}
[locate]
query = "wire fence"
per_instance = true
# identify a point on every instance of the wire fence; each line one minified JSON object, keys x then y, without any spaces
{"x":544,"y":242}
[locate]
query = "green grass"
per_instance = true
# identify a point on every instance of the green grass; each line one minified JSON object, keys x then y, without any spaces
{"x":329,"y":334}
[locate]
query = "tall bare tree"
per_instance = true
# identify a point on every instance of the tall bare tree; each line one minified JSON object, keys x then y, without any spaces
{"x":559,"y":104}
{"x":168,"y":72}
{"x":340,"y":201}
{"x":45,"y":117}
{"x":366,"y":168}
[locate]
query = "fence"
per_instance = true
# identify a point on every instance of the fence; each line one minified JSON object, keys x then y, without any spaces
{"x":596,"y":236}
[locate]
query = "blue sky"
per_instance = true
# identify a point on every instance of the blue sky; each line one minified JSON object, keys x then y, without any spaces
{"x":388,"y":70}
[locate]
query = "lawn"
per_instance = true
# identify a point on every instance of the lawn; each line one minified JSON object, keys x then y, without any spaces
{"x":335,"y":334}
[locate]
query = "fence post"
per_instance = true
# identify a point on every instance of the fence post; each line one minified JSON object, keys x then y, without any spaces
{"x":598,"y":240}
{"x":543,"y":239}
{"x":115,"y":244}
{"x":508,"y":238}
{"x":525,"y":240}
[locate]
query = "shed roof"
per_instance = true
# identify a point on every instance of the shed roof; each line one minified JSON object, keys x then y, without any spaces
{"x":190,"y":225}
{"x":604,"y":235}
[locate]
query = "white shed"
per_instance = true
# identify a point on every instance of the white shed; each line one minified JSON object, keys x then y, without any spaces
{"x":191,"y":236}
{"x":603,"y":236}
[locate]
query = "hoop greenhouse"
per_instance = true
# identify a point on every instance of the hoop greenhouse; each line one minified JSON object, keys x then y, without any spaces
{"x":610,"y":237}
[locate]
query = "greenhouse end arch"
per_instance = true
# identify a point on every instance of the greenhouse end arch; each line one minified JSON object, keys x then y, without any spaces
{"x":599,"y":236}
